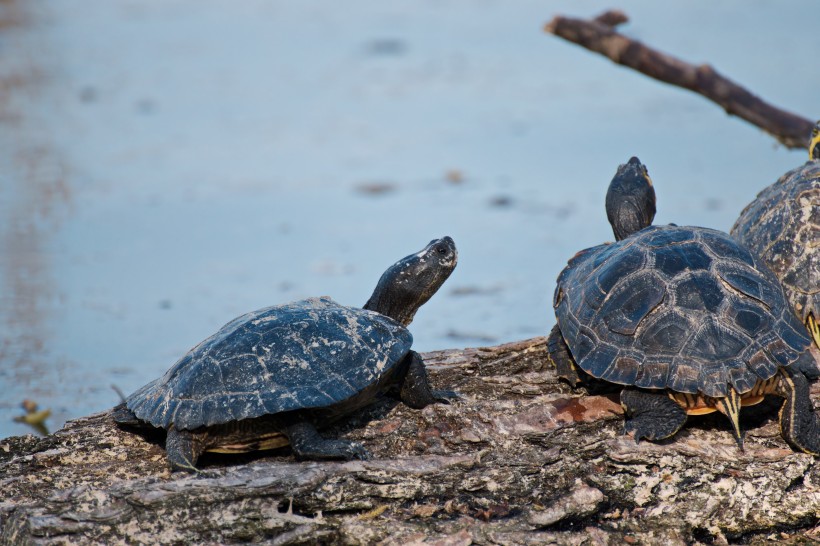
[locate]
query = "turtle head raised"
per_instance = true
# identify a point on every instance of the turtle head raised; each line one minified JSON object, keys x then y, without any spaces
{"x":410,"y":282}
{"x":814,"y":142}
{"x":630,"y":199}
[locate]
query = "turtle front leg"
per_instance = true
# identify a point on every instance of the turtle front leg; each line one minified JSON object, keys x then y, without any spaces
{"x":814,"y":328}
{"x":308,"y":444}
{"x":730,"y":407}
{"x":416,"y":391}
{"x":653,"y":416}
{"x":183,"y":448}
{"x":798,"y":422}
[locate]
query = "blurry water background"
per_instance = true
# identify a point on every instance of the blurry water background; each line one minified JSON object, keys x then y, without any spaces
{"x":168,"y":165}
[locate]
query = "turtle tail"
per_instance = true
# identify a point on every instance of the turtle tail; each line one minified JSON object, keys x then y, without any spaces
{"x":561,"y":358}
{"x":124,"y":416}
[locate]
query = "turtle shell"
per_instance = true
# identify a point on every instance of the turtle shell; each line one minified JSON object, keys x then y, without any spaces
{"x":782,"y":226}
{"x":312,"y":353}
{"x":680,"y":308}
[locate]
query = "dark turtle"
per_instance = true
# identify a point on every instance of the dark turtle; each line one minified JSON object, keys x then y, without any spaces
{"x":685,"y":318}
{"x":272,"y":377}
{"x":782,"y":226}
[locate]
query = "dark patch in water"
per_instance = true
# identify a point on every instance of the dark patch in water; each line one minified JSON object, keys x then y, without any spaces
{"x":386,"y":47}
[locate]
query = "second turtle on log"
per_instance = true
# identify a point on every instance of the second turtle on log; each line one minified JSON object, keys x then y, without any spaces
{"x":684,"y":318}
{"x":782,"y":226}
{"x":272,"y":377}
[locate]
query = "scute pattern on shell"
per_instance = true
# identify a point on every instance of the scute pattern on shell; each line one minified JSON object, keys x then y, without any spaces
{"x":782,"y":225}
{"x":683,"y":308}
{"x":312,"y":353}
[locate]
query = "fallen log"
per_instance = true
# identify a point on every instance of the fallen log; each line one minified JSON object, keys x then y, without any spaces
{"x":599,"y":35}
{"x":519,"y":459}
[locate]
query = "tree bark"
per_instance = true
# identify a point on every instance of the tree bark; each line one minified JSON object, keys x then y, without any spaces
{"x":520,"y":458}
{"x":599,"y":35}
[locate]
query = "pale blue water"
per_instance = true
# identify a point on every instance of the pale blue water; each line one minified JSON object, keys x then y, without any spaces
{"x":166,"y":166}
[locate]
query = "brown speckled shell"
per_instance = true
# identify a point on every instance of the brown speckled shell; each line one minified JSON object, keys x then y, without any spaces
{"x":782,"y":226}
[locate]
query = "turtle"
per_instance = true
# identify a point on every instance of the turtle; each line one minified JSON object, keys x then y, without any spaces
{"x":272,"y":377}
{"x":683,"y":320}
{"x":782,"y":226}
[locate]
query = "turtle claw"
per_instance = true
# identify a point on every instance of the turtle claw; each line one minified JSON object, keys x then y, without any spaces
{"x":445,"y":397}
{"x":183,"y":465}
{"x":645,"y":431}
{"x":651,"y":416}
{"x":630,"y":426}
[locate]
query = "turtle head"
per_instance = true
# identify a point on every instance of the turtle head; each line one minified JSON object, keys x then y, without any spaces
{"x":410,"y":282}
{"x":630,"y":199}
{"x":814,"y":143}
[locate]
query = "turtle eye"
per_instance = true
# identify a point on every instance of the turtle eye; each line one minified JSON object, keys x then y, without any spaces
{"x":441,"y":250}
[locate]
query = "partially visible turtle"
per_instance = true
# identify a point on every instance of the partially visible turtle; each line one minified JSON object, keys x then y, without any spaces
{"x":684,"y":318}
{"x":782,"y":226}
{"x":272,"y":377}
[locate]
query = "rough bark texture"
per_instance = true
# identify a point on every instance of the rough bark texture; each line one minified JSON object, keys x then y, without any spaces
{"x":598,"y":35}
{"x":520,"y":459}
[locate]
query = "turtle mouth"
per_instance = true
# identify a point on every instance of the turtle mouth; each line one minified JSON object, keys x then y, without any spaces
{"x":452,"y":261}
{"x":634,"y":169}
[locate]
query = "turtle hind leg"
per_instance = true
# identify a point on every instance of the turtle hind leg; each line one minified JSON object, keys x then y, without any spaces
{"x":415,"y":388}
{"x":653,"y":416}
{"x":561,"y":357}
{"x":183,"y":448}
{"x":569,"y":371}
{"x":798,"y":422}
{"x":307,"y":444}
{"x":124,"y":416}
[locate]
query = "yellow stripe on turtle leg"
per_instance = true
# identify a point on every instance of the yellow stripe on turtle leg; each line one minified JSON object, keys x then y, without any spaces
{"x":730,"y":407}
{"x":798,"y":421}
{"x":814,"y":329}
{"x":814,"y":143}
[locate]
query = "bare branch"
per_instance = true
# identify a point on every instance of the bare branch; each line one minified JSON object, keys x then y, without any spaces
{"x":598,"y":35}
